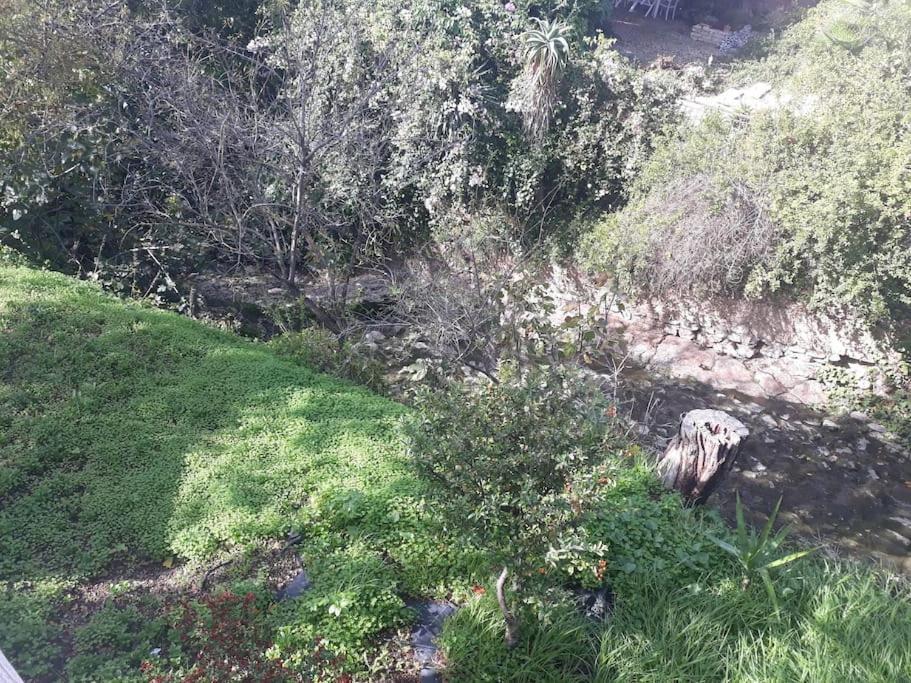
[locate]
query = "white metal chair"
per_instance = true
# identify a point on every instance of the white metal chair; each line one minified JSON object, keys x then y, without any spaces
{"x":7,"y":672}
{"x":653,"y":7}
{"x":669,"y":7}
{"x":648,"y":4}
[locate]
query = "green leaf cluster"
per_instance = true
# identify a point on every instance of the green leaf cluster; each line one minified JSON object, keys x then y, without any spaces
{"x":826,"y":173}
{"x":759,"y":553}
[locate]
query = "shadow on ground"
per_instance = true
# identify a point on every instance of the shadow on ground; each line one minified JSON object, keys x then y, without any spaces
{"x":841,"y":483}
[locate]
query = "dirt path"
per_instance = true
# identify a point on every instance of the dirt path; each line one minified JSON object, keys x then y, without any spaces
{"x":645,"y":39}
{"x":842,"y":481}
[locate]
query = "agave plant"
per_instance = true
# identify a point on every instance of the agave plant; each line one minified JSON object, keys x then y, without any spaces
{"x":758,"y":554}
{"x":546,"y":51}
{"x":854,"y":26}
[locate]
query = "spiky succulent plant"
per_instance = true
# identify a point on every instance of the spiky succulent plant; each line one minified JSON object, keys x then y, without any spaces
{"x":546,"y":51}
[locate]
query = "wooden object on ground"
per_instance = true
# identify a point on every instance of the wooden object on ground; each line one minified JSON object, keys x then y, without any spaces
{"x":512,"y":626}
{"x":702,"y":453}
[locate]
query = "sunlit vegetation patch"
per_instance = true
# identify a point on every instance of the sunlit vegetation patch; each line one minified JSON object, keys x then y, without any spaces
{"x":139,"y":450}
{"x":134,"y":439}
{"x":808,"y":200}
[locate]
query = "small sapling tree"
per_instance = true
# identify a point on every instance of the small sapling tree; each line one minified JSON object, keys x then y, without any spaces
{"x":516,"y":464}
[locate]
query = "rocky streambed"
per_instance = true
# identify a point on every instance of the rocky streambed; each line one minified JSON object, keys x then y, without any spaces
{"x":844,"y":482}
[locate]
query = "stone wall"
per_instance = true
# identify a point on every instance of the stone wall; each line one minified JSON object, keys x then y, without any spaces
{"x":749,"y":329}
{"x":762,"y":349}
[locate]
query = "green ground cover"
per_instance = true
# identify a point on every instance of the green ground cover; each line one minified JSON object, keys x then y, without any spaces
{"x":138,"y":447}
{"x":131,"y":437}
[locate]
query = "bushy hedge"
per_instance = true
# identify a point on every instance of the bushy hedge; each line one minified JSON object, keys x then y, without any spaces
{"x":73,"y":170}
{"x":519,"y":464}
{"x":811,"y":200}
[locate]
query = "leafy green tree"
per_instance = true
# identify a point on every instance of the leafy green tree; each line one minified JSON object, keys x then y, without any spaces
{"x":144,"y":142}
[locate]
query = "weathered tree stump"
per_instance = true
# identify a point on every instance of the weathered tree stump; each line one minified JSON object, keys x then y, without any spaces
{"x":702,"y":453}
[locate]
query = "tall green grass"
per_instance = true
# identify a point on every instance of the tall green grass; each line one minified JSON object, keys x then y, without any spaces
{"x":838,"y":623}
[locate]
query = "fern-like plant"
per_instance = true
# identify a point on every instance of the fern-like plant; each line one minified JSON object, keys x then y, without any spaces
{"x":757,"y":554}
{"x":546,"y":51}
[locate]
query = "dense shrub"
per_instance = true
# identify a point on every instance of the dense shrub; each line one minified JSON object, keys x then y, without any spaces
{"x":516,"y":460}
{"x":52,"y":153}
{"x":518,"y":465}
{"x":235,"y":19}
{"x":892,"y":409}
{"x":811,"y":200}
{"x":105,"y":177}
{"x":606,"y":119}
{"x":689,"y":236}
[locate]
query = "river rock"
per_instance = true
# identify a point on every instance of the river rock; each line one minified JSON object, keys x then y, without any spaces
{"x":429,"y":625}
{"x":298,"y":585}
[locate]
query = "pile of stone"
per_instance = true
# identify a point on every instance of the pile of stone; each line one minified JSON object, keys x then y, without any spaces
{"x":737,"y":40}
{"x":706,"y":34}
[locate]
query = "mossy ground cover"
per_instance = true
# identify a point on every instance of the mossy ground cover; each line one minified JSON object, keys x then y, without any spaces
{"x":139,"y":449}
{"x":132,"y":439}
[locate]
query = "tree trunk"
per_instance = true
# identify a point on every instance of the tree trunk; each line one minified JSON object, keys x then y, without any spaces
{"x":702,"y":453}
{"x":512,"y":626}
